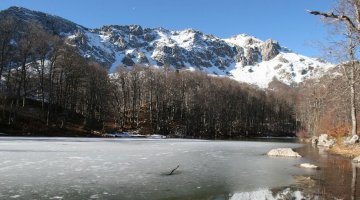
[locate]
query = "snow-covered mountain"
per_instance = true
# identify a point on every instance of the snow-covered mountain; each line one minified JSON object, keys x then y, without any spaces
{"x":242,"y":57}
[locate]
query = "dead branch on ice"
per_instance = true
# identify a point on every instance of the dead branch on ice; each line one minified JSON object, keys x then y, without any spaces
{"x":172,"y":171}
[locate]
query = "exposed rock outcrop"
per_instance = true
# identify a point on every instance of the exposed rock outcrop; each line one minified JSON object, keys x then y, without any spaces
{"x":142,"y":58}
{"x":314,"y":140}
{"x":127,"y":60}
{"x":270,"y":49}
{"x":351,"y":140}
{"x":252,"y":56}
{"x":325,"y":141}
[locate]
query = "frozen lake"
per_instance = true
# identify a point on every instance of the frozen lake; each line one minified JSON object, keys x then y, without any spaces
{"x":88,"y":168}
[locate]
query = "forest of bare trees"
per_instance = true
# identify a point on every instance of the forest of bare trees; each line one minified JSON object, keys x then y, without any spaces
{"x":45,"y":82}
{"x":194,"y":104}
{"x":330,"y":105}
{"x":48,"y":88}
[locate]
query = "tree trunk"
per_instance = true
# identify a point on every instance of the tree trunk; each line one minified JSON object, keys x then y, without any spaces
{"x":351,"y":80}
{"x":352,"y":102}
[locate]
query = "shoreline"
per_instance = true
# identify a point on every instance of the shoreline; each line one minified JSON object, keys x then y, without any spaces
{"x":348,"y":151}
{"x":334,"y":180}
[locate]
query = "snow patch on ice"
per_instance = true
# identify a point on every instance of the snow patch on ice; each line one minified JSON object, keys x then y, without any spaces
{"x":57,"y":197}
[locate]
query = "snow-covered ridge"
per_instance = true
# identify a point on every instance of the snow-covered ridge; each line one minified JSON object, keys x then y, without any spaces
{"x":244,"y":40}
{"x":242,"y":57}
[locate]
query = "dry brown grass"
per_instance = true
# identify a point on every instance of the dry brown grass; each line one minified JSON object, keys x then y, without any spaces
{"x":349,"y":151}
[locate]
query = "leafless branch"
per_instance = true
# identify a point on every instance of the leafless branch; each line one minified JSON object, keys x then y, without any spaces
{"x":172,"y":171}
{"x":343,"y":18}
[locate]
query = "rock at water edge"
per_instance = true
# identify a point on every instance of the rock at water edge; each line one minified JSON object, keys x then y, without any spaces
{"x":283,"y":152}
{"x":351,"y":140}
{"x":325,"y":141}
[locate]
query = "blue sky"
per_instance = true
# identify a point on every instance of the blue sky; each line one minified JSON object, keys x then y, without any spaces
{"x":282,"y":20}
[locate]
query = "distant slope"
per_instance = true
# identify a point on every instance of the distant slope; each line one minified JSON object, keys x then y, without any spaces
{"x":242,"y":57}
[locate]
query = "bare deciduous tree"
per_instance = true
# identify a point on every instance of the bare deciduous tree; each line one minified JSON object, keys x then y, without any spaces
{"x":347,"y":15}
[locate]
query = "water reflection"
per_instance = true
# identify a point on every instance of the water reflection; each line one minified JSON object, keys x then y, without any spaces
{"x":280,"y":193}
{"x":337,"y":177}
{"x":355,"y":167}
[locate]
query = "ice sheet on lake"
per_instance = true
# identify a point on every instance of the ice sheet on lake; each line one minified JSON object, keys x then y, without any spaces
{"x":78,"y":168}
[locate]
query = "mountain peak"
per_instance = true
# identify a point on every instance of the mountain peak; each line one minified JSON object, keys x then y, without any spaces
{"x":244,"y":40}
{"x":49,"y":22}
{"x":242,"y":57}
{"x":19,"y":9}
{"x":21,"y":12}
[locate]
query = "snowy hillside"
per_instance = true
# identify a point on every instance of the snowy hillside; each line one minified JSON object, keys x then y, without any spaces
{"x":242,"y":57}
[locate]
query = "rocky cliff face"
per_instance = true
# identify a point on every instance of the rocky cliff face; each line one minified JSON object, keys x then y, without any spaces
{"x":242,"y":57}
{"x":270,"y":49}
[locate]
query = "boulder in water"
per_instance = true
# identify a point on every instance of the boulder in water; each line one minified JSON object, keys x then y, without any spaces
{"x":314,"y":140}
{"x":325,"y":141}
{"x":283,"y":152}
{"x":308,"y":166}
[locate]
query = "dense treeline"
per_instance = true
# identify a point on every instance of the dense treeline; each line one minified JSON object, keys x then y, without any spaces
{"x":47,"y":85}
{"x":195,"y":104}
{"x":39,"y":69}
